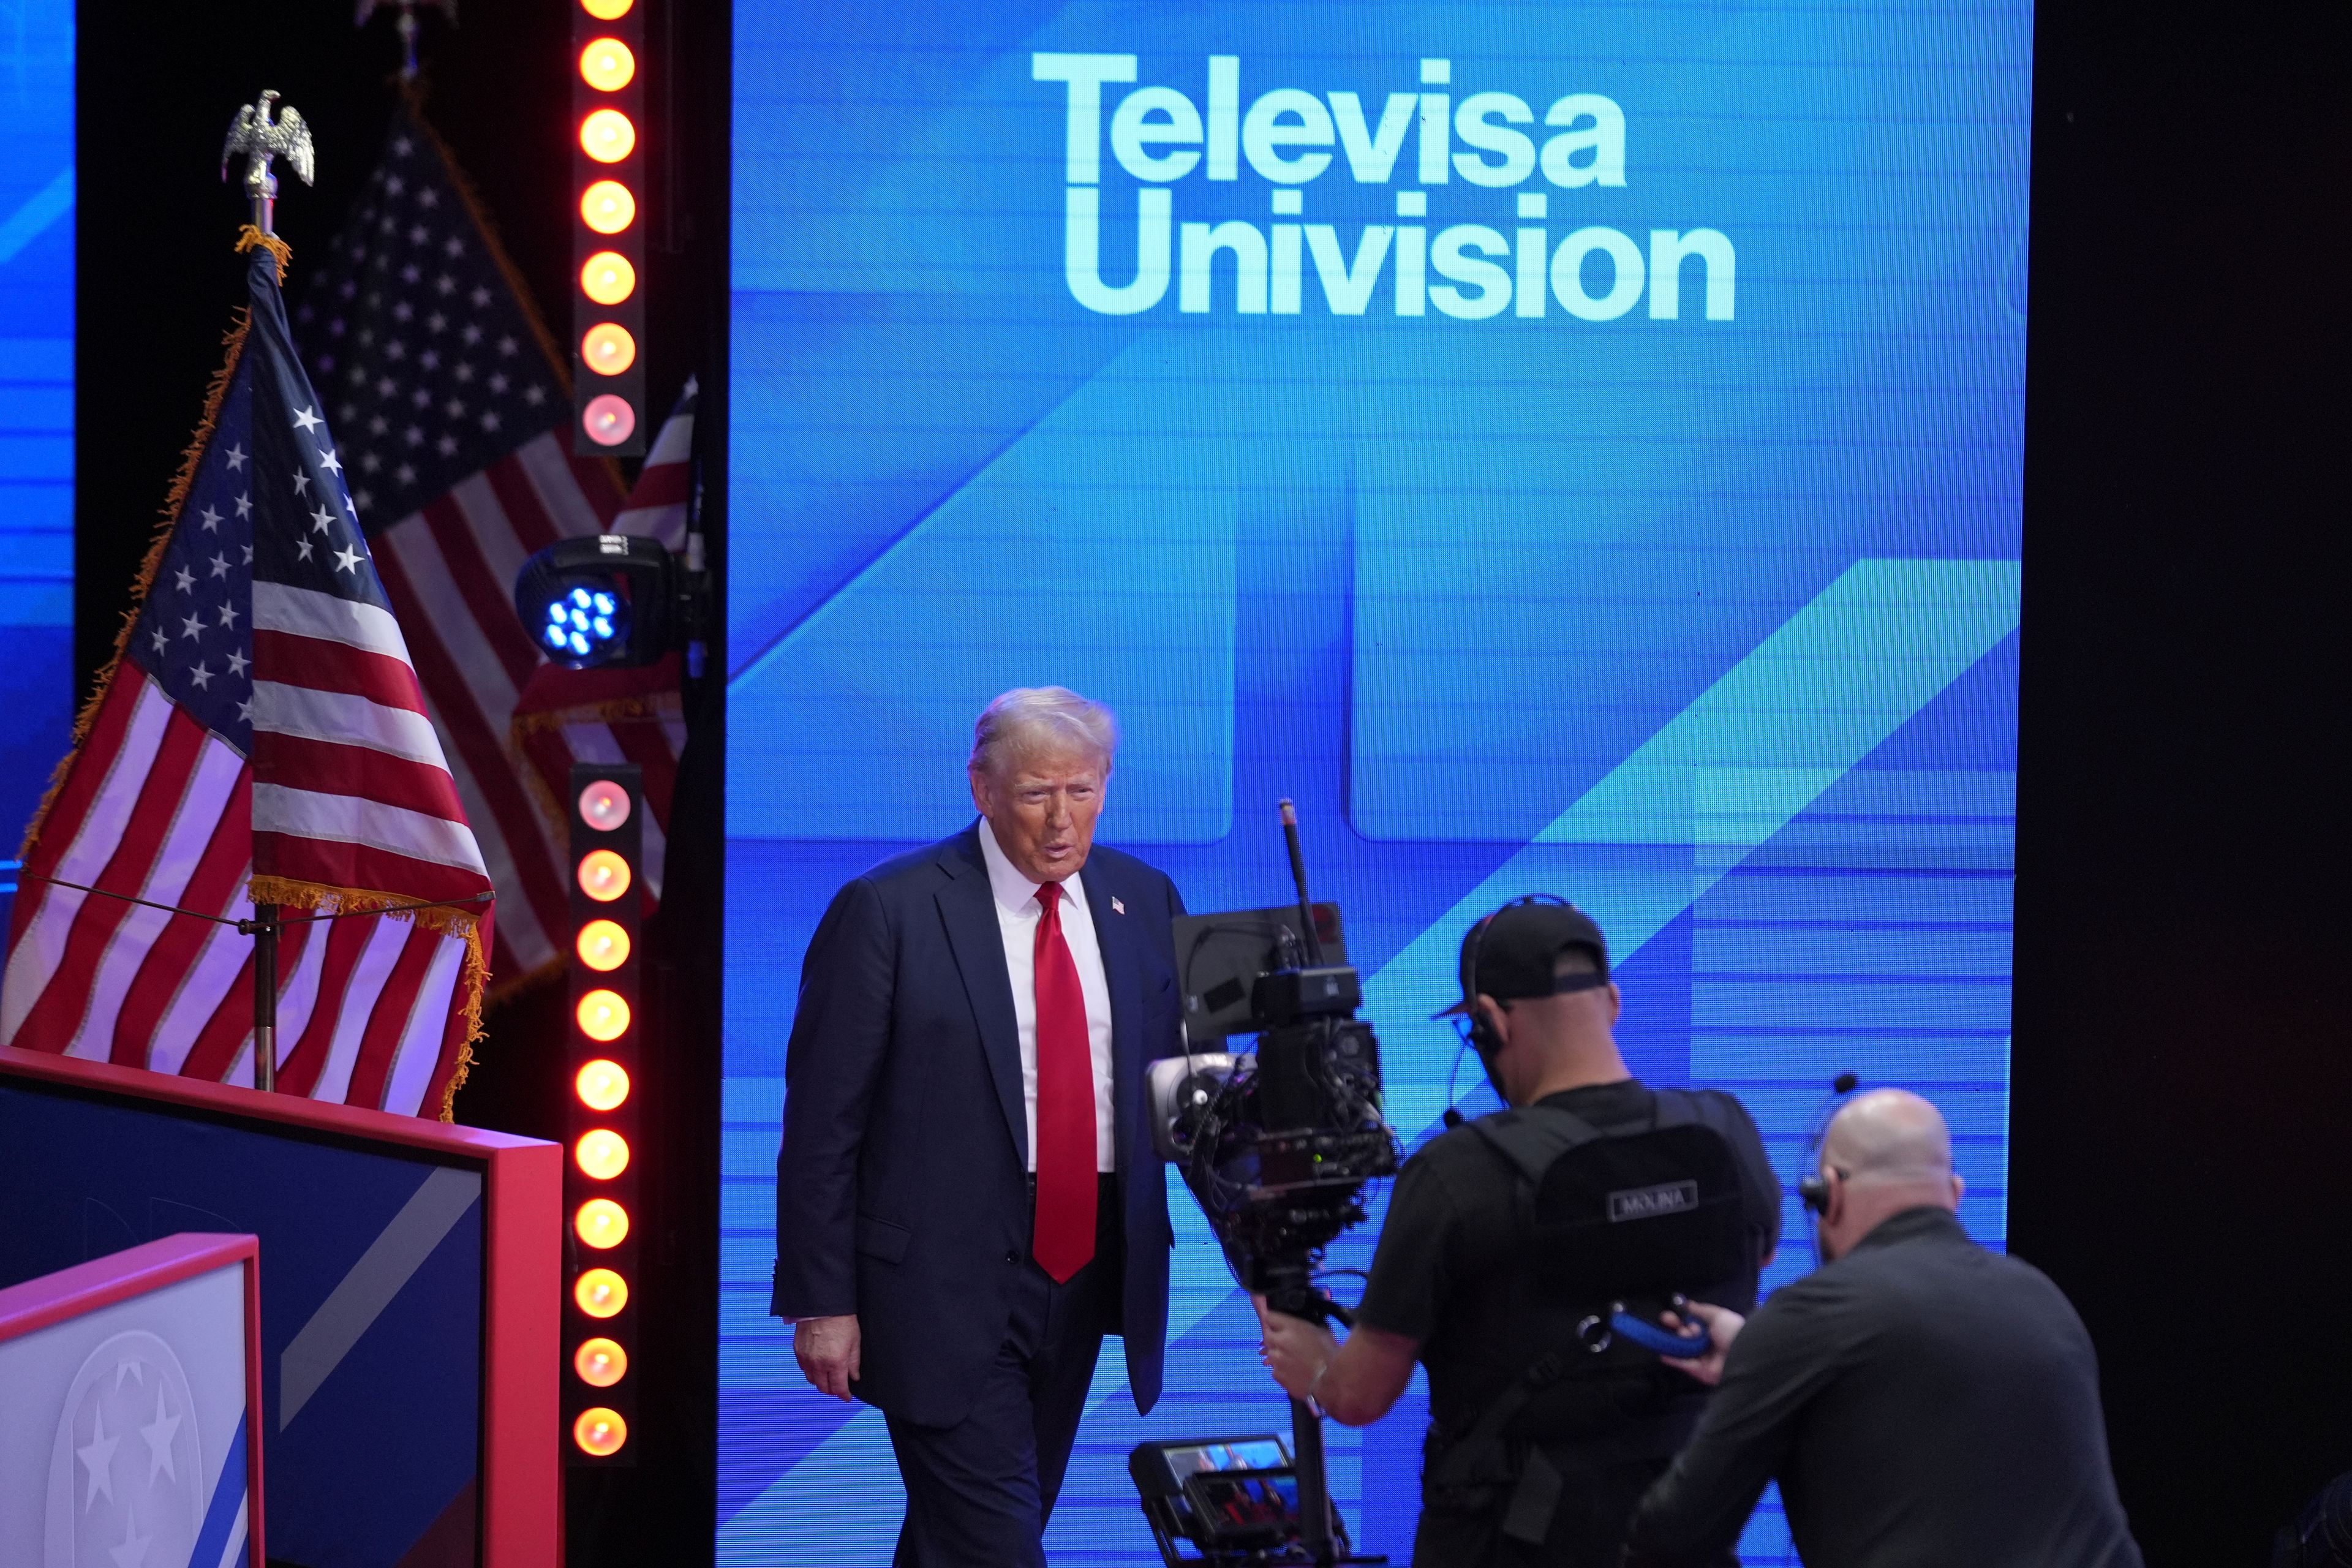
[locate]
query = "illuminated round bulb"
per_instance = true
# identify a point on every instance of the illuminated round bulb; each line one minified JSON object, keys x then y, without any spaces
{"x":608,"y":206}
{"x":601,"y":1153}
{"x":604,"y":804}
{"x":600,"y":1223}
{"x":607,"y":278}
{"x":600,"y":1293}
{"x":604,"y":875}
{"x":608,"y":419}
{"x":601,"y":1362}
{"x":600,"y":1432}
{"x":604,"y":1015}
{"x":602,"y":1085}
{"x":607,"y":136}
{"x":607,"y":65}
{"x":608,"y":348}
{"x":607,"y":10}
{"x":603,"y":946}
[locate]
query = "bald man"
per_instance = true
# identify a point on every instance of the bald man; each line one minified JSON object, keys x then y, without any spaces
{"x":1920,"y":1400}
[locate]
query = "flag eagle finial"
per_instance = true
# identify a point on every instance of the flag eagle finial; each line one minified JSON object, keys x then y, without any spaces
{"x":260,"y":138}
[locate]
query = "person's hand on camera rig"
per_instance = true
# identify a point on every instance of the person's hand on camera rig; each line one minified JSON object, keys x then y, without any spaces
{"x":1354,"y":1383}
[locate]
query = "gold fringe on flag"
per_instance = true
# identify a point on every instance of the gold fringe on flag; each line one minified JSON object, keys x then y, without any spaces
{"x":656,"y":705}
{"x":649,"y":706}
{"x":173,"y":502}
{"x":249,"y":238}
{"x":287,"y":893}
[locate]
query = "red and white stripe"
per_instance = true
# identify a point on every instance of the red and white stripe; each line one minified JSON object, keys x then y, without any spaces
{"x":657,"y":504}
{"x":157,"y":807}
{"x":349,"y":788}
{"x":449,"y":570}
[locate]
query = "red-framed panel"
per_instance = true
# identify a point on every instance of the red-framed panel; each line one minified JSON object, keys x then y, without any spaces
{"x":523,"y":1497}
{"x":74,"y":1292}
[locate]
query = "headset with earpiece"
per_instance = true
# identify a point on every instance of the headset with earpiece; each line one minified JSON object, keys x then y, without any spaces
{"x":1480,"y":1033}
{"x":1813,"y":1190}
{"x":1477,"y":1033}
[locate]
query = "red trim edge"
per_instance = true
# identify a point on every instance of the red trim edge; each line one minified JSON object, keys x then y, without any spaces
{"x":352,"y":1120}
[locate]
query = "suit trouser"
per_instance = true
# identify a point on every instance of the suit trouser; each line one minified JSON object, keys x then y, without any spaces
{"x":978,"y":1492}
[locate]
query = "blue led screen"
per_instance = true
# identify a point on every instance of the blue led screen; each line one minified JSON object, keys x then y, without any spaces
{"x":1565,"y":448}
{"x":37,"y":313}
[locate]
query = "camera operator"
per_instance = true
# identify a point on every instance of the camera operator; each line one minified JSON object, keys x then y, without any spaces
{"x":1492,"y":1270}
{"x":1920,"y":1399}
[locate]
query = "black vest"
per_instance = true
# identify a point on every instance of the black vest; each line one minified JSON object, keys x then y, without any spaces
{"x":1606,"y":1216}
{"x":1631,"y":1214}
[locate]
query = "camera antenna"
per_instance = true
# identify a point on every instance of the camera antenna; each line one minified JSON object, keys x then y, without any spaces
{"x":1299,"y":876}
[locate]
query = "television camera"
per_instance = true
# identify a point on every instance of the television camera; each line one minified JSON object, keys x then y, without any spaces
{"x":1275,"y":1144}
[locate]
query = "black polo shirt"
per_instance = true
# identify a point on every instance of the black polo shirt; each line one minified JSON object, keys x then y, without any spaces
{"x":1922,"y":1401}
{"x":1452,"y":1272}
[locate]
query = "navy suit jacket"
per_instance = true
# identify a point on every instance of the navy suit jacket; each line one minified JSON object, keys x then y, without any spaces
{"x":901,"y":1193}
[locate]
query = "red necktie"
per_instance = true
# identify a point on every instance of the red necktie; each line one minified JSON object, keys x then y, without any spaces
{"x":1065,"y":1237}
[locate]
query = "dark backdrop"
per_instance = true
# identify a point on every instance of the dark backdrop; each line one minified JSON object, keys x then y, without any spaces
{"x":2182,"y":1099}
{"x":2182,"y":1073}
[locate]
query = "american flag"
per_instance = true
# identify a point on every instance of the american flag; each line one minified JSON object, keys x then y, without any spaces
{"x":457,"y":428}
{"x":261,"y":734}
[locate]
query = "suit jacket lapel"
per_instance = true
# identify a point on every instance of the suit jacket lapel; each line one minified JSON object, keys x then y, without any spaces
{"x":968,"y":908}
{"x":1112,"y":936}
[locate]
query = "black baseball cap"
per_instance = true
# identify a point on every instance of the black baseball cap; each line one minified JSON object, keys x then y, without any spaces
{"x":1516,"y":949}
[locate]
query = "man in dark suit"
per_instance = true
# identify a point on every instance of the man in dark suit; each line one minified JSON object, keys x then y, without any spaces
{"x":967,"y":1198}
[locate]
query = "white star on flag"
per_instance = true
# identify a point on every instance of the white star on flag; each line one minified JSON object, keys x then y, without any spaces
{"x":307,"y":419}
{"x":347,"y":559}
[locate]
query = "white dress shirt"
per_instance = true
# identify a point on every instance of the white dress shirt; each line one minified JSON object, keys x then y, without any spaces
{"x":1017,"y":913}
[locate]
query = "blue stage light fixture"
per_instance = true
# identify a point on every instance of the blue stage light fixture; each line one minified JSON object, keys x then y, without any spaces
{"x":603,"y":601}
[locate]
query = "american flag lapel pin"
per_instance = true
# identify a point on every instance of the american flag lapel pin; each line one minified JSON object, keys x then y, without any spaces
{"x":1117,"y":908}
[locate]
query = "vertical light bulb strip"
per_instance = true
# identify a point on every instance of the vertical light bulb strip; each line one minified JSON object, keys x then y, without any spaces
{"x":609,"y":166}
{"x":606,"y":1147}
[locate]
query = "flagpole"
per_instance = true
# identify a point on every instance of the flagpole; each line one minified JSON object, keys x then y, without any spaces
{"x":259,"y":138}
{"x":265,"y":997}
